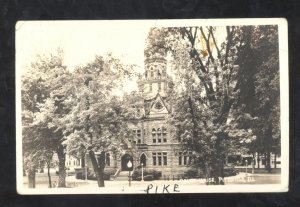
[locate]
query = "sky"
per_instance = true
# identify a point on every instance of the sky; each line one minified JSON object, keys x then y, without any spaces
{"x":80,"y":41}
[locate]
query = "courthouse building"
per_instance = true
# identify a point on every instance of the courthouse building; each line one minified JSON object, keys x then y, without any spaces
{"x":152,"y":144}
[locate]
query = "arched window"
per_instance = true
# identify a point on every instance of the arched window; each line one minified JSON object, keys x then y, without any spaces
{"x":152,"y":74}
{"x":143,"y":159}
{"x":158,"y":73}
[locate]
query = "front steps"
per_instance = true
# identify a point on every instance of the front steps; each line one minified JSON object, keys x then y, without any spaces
{"x":123,"y":176}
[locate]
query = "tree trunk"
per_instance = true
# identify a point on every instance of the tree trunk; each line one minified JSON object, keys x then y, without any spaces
{"x":83,"y":159}
{"x":49,"y":176}
{"x":41,"y":166}
{"x":253,"y":160}
{"x":31,"y":177}
{"x":61,"y":167}
{"x":101,"y":176}
{"x":98,"y":167}
{"x":258,"y":160}
{"x":268,"y":161}
{"x":218,"y":162}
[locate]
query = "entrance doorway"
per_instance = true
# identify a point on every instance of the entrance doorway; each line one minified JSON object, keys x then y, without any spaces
{"x":143,"y":159}
{"x":124,"y":160}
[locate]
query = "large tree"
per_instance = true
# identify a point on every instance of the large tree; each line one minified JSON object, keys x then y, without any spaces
{"x":96,"y":122}
{"x":45,"y":88}
{"x":267,"y":90}
{"x":259,"y":94}
{"x":209,"y":118}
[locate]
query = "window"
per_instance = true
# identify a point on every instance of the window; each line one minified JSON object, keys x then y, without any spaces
{"x":184,"y":158}
{"x":107,"y":159}
{"x":154,"y":158}
{"x":190,"y":158}
{"x":180,"y":158}
{"x":165,"y":158}
{"x":152,"y":74}
{"x":159,"y":158}
{"x":146,"y":74}
{"x":158,"y":105}
{"x":138,"y":134}
{"x":158,"y":73}
{"x":158,"y":135}
{"x":154,"y":135}
{"x":164,"y":134}
{"x":159,"y":86}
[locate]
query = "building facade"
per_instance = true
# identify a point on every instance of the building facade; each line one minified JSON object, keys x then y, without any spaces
{"x":152,"y":144}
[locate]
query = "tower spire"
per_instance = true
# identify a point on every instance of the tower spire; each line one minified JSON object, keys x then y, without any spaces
{"x":155,"y":79}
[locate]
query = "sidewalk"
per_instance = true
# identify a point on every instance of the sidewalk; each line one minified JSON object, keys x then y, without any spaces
{"x":241,"y":178}
{"x":258,"y":170}
{"x":191,"y":185}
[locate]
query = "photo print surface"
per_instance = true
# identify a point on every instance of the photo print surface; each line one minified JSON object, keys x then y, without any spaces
{"x":152,"y":106}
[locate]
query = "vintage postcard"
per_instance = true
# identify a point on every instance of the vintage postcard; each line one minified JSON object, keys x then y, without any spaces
{"x":152,"y":106}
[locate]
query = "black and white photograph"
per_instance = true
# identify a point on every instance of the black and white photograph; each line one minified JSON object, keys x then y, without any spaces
{"x":152,"y":106}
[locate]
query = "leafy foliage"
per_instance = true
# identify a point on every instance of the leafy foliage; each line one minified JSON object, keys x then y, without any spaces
{"x":213,"y":116}
{"x":43,"y":88}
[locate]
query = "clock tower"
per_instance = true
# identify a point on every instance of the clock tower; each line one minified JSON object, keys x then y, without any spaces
{"x":155,"y":79}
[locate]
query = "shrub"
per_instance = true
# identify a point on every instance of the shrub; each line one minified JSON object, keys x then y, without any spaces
{"x":230,"y":171}
{"x":92,"y":176}
{"x":137,"y":174}
{"x":148,"y":178}
{"x":191,"y":173}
